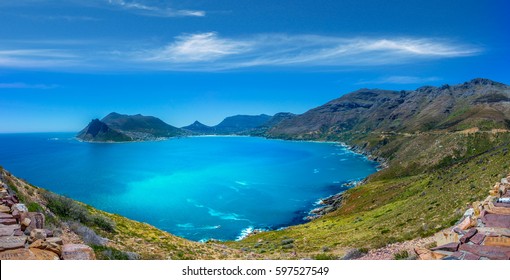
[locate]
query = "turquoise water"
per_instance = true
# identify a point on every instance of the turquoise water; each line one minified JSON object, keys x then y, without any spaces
{"x":197,"y":187}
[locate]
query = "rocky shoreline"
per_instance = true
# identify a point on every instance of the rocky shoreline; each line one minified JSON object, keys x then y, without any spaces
{"x":333,"y":202}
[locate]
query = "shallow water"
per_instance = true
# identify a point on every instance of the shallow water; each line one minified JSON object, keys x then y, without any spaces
{"x":196,"y":187}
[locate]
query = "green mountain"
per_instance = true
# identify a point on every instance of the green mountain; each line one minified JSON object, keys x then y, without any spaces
{"x":120,"y":128}
{"x":240,"y":124}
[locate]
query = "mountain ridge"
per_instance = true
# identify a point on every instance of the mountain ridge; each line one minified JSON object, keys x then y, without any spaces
{"x":427,"y":108}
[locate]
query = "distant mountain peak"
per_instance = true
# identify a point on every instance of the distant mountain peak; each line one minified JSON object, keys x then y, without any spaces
{"x":116,"y":127}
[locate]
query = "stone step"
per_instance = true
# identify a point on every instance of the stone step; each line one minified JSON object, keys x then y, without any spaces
{"x":5,"y":216}
{"x":12,"y":242}
{"x":8,"y":221}
{"x":490,"y":252}
{"x":8,"y":230}
{"x":496,"y":220}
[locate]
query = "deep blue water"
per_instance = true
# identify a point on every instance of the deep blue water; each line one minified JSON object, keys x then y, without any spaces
{"x":197,"y":187}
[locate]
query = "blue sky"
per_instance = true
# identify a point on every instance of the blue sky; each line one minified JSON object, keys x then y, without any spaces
{"x":63,"y":63}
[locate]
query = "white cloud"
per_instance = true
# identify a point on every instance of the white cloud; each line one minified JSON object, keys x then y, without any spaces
{"x":199,"y":48}
{"x":210,"y":51}
{"x":401,"y":80}
{"x":149,"y":10}
{"x":26,"y":86}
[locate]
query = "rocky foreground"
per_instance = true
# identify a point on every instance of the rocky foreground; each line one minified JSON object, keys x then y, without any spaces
{"x":23,"y":235}
{"x":483,"y":233}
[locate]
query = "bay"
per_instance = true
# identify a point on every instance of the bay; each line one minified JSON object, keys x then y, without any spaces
{"x":195,"y":187}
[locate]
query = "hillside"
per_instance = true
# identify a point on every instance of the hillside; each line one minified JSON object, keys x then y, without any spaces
{"x":120,"y":128}
{"x":240,"y":124}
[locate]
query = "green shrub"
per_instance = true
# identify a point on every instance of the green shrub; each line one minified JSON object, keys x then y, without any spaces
{"x":69,"y":209}
{"x":103,"y":223}
{"x":108,"y":253}
{"x":402,"y":255}
{"x":34,"y":207}
{"x":324,"y":256}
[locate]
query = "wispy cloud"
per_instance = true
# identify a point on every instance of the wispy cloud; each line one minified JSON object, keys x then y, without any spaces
{"x":140,"y":7}
{"x":152,"y":10}
{"x":68,"y":18}
{"x":26,"y":86}
{"x":403,"y":80}
{"x":210,"y":51}
{"x":38,"y":58}
{"x":199,"y":48}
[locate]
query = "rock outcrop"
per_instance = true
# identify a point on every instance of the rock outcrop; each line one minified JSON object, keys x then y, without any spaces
{"x":23,"y":235}
{"x":483,"y":233}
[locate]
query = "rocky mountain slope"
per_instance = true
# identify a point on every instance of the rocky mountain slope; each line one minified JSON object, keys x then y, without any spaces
{"x":120,"y":128}
{"x":480,"y":103}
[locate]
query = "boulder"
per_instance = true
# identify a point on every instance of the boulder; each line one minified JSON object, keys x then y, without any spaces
{"x":4,"y":209}
{"x":8,"y":230}
{"x":468,"y":235}
{"x":497,"y":241}
{"x":37,"y":220}
{"x":445,"y":237}
{"x":465,"y":224}
{"x":5,"y":216}
{"x":424,"y":254}
{"x":56,"y":240}
{"x":495,"y":220}
{"x":17,"y":254}
{"x":495,"y":230}
{"x":8,"y":202}
{"x":12,"y":242}
{"x":77,"y":252}
{"x":470,"y":257}
{"x":49,"y":233}
{"x":450,"y":247}
{"x":37,"y":234}
{"x":48,"y":246}
{"x":490,"y":252}
{"x":20,"y":207}
{"x":25,"y":223}
{"x":44,"y":254}
{"x":8,"y":221}
{"x":477,"y":238}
